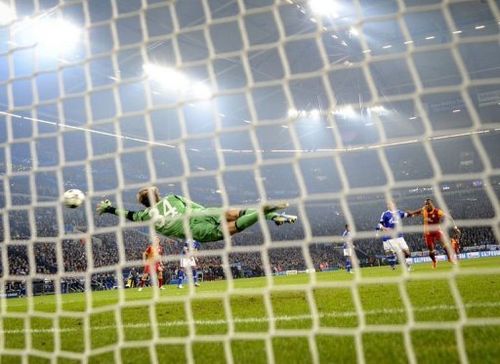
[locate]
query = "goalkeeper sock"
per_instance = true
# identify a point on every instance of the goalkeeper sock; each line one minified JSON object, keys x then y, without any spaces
{"x":250,"y":217}
{"x":160,"y":282}
{"x":246,"y":220}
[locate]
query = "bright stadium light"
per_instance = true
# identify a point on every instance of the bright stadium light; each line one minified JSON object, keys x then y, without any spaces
{"x":345,"y":112}
{"x":293,"y":113}
{"x":53,"y":36}
{"x":379,"y":109}
{"x":6,"y":14}
{"x":353,"y":32}
{"x":56,"y":34}
{"x":324,"y":7}
{"x":174,"y":80}
{"x":167,"y":77}
{"x":314,"y":114}
{"x":201,"y":91}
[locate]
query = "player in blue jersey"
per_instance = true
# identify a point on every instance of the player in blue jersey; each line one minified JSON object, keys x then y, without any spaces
{"x":393,"y":244}
{"x":188,"y":261}
{"x":348,"y":249}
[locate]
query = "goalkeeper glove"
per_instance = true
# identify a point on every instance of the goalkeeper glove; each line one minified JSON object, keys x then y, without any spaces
{"x":104,"y":207}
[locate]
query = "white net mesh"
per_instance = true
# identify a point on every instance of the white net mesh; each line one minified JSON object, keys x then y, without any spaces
{"x":334,"y":106}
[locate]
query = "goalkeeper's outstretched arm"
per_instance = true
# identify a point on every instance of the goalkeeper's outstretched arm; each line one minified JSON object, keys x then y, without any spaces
{"x":105,"y":207}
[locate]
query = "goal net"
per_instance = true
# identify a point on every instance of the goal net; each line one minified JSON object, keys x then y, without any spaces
{"x":336,"y":106}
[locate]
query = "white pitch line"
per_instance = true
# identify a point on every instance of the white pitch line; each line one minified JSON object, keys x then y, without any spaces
{"x":89,"y":130}
{"x":251,"y":320}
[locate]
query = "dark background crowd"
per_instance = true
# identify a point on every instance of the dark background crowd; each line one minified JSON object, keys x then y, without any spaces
{"x":287,"y":250}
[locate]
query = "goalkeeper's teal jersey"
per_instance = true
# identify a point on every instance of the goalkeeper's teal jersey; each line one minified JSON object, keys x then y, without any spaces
{"x":167,"y":215}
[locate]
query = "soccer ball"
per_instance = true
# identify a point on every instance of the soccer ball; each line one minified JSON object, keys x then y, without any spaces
{"x":73,"y":198}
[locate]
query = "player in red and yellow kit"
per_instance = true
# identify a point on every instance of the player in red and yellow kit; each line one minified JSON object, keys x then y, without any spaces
{"x":432,"y":230}
{"x":152,"y":263}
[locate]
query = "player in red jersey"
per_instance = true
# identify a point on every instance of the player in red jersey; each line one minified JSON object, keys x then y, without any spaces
{"x":455,"y":241}
{"x":152,"y":263}
{"x":432,"y":230}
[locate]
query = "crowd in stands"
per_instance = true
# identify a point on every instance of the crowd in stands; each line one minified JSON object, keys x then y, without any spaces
{"x":124,"y":247}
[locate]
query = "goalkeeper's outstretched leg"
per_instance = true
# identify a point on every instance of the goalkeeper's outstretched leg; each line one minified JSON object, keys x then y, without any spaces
{"x":248,"y":217}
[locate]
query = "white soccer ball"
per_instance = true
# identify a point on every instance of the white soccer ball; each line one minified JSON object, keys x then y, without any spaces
{"x":73,"y":198}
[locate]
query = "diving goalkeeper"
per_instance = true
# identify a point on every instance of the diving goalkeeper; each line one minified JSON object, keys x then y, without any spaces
{"x":205,"y":223}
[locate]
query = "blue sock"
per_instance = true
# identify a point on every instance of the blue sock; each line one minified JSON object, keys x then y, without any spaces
{"x":392,"y":260}
{"x":348,"y":265}
{"x":180,"y":276}
{"x":195,"y":276}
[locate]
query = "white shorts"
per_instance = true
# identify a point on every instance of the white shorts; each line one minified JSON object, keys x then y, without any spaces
{"x":395,"y":245}
{"x":348,"y":252}
{"x":188,"y":262}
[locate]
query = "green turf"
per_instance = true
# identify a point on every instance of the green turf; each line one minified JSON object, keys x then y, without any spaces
{"x":118,"y":325}
{"x":249,"y":351}
{"x":171,"y":353}
{"x":429,"y":352}
{"x":384,"y":348}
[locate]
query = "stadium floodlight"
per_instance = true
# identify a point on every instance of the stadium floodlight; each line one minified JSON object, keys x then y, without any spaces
{"x":174,"y":80}
{"x":166,"y":76}
{"x":6,"y":14}
{"x":201,"y":91}
{"x":53,"y":36}
{"x":345,"y":112}
{"x":293,"y":113}
{"x":353,"y":32}
{"x":324,"y":7}
{"x":314,"y":114}
{"x":56,"y":34}
{"x":378,"y":109}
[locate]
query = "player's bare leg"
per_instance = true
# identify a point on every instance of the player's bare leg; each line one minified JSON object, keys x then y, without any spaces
{"x":455,"y":245}
{"x":144,"y":278}
{"x":450,"y":254}
{"x":432,"y":253}
{"x":233,"y":214}
{"x":159,"y":274}
{"x":455,"y":242}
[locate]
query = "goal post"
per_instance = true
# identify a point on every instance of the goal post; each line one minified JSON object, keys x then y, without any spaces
{"x":337,"y":107}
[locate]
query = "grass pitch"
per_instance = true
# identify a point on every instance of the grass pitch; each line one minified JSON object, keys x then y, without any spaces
{"x":333,"y":317}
